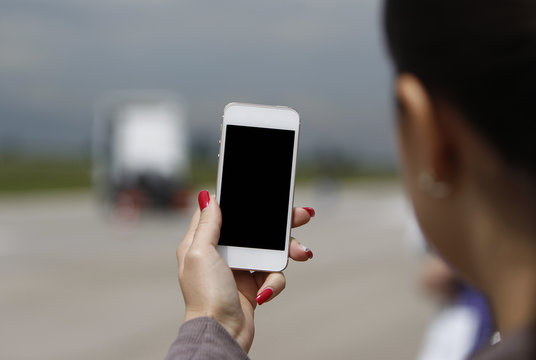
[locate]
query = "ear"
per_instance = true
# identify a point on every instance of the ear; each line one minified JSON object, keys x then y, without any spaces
{"x":423,"y":135}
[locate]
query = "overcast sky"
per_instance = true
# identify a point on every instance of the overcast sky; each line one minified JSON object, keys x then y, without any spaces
{"x":324,"y":58}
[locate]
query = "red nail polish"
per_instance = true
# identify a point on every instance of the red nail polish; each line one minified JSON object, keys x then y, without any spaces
{"x":309,"y":253}
{"x":203,"y":199}
{"x":310,"y":210}
{"x":264,"y":295}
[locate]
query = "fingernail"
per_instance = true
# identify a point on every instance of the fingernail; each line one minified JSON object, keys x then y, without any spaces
{"x":308,"y":251}
{"x":310,"y":210}
{"x":263,"y":296}
{"x":203,"y":199}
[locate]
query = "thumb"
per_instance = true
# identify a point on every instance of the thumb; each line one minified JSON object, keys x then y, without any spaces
{"x":208,"y":228}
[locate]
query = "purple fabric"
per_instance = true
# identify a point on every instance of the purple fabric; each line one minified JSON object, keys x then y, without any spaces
{"x":474,"y":299}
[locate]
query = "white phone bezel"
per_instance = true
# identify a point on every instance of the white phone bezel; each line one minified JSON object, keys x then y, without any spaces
{"x":272,"y":117}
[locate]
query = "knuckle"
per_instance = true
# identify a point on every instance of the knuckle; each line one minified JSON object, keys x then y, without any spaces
{"x":195,"y":255}
{"x":278,"y":282}
{"x":209,"y":229}
{"x":208,"y":219}
{"x":283,"y":281}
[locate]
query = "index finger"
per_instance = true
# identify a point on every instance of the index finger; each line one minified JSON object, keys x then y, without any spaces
{"x":186,"y":242}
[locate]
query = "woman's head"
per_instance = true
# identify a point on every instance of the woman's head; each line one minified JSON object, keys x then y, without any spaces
{"x":466,"y":86}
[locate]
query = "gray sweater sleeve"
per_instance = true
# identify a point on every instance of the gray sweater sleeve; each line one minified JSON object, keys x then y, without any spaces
{"x":204,"y":338}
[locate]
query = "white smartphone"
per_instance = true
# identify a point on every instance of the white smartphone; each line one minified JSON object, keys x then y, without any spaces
{"x":256,"y":170}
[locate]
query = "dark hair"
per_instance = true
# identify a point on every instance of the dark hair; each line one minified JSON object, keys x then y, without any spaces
{"x":479,"y":54}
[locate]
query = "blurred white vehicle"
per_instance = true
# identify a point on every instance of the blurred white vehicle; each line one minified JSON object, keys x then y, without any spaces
{"x":140,"y":150}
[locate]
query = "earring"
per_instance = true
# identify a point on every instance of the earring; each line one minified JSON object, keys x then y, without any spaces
{"x":435,"y":188}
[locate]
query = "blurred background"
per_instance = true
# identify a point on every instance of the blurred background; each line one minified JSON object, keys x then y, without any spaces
{"x":87,"y":251}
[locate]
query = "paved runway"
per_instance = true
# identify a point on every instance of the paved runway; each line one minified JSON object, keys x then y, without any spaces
{"x":75,"y":285}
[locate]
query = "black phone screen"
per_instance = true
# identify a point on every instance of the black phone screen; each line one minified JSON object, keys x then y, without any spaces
{"x":255,"y":187}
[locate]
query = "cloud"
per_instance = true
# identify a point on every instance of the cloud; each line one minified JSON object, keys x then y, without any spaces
{"x":323,"y":57}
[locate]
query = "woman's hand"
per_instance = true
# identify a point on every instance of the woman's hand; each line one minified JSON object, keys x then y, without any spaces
{"x":210,"y":288}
